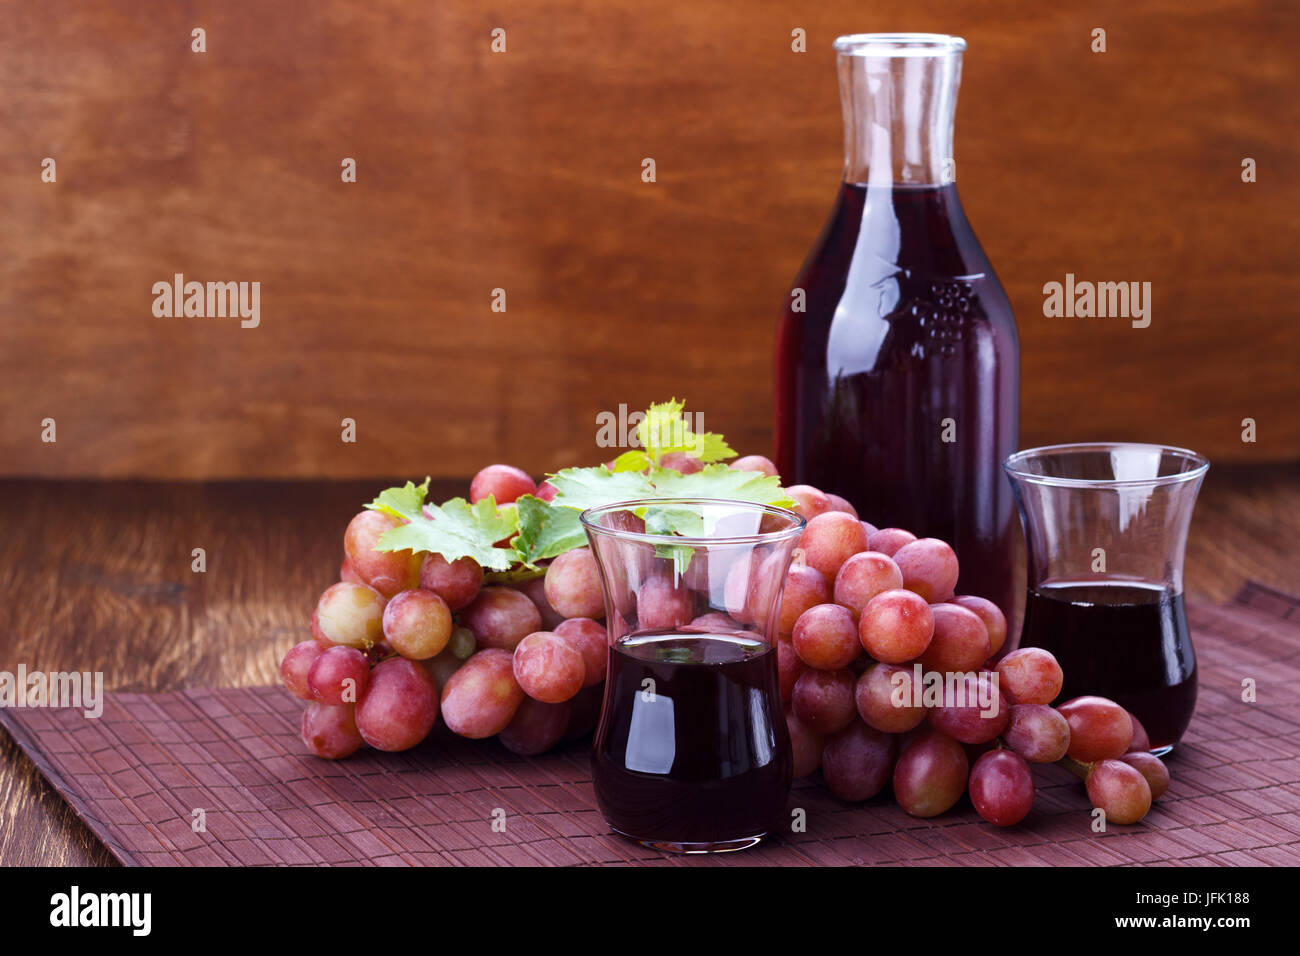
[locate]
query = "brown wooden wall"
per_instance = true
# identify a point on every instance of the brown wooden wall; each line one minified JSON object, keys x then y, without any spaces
{"x":522,"y":171}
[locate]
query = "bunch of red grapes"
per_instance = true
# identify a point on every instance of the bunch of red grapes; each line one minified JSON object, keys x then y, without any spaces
{"x":890,"y":678}
{"x":405,"y":642}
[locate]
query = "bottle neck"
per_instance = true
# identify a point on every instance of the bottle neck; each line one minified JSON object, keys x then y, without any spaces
{"x":899,"y":105}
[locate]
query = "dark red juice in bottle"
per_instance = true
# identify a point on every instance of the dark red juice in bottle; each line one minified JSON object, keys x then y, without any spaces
{"x":692,"y":748}
{"x":897,"y":386}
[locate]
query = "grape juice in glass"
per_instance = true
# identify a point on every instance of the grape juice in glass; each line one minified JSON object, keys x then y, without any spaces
{"x":1106,"y":529}
{"x":897,"y":360}
{"x":692,"y":753}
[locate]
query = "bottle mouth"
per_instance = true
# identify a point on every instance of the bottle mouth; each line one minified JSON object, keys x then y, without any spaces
{"x":898,"y":44}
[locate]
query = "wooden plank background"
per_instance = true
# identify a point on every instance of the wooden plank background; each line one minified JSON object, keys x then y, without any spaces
{"x":479,"y":170}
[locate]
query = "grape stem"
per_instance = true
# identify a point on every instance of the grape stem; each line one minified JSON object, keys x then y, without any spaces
{"x":1076,"y":767}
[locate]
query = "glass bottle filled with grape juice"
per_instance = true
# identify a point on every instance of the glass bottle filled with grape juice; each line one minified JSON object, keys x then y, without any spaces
{"x":897,"y":361}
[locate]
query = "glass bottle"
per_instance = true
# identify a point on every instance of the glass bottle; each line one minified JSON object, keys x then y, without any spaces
{"x":897,"y":361}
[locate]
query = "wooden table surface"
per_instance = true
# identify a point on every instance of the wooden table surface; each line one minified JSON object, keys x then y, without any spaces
{"x":98,"y":577}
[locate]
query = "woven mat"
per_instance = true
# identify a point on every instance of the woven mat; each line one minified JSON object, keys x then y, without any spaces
{"x":137,"y":774}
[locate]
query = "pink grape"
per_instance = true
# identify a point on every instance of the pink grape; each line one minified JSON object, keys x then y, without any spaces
{"x":830,"y":539}
{"x":1030,"y":675}
{"x":824,"y":699}
{"x":826,"y":637}
{"x":788,"y":667}
{"x":1002,"y":788}
{"x":587,"y":638}
{"x":870,"y":529}
{"x":863,"y":576}
{"x":296,"y":666}
{"x":546,"y":491}
{"x":441,"y":668}
{"x":806,"y":743}
{"x":1099,"y":728}
{"x":481,"y":698}
{"x":332,"y":671}
{"x":330,"y":731}
{"x":681,"y":461}
{"x":885,"y":698}
{"x":456,"y":582}
{"x":1120,"y":790}
{"x":857,"y":762}
{"x":804,"y":587}
{"x":548,"y":667}
{"x":755,"y":463}
{"x":417,"y":624}
{"x":349,"y":614}
{"x":931,"y":774}
{"x":929,"y":568}
{"x":347,"y":574}
{"x":889,"y":540}
{"x":961,"y":641}
{"x":843,"y":505}
{"x":808,"y":501}
{"x":501,"y":617}
{"x":535,"y":591}
{"x":896,"y":626}
{"x":1141,"y":740}
{"x":573,"y":585}
{"x":504,"y":483}
{"x":1037,"y":732}
{"x":713,"y":622}
{"x":994,"y":620}
{"x":399,"y":706}
{"x":462,"y":642}
{"x":972,"y":709}
{"x":1152,"y":768}
{"x":536,"y":727}
{"x":386,"y":571}
{"x":663,"y":606}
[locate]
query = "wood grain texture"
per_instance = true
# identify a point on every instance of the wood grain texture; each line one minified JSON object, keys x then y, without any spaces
{"x":521,"y":171}
{"x":97,"y":577}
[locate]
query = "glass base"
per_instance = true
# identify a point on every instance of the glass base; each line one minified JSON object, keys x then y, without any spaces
{"x":718,"y":846}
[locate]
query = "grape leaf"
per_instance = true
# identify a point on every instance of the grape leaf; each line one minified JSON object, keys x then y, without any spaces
{"x":455,"y":529}
{"x":583,"y":488}
{"x":663,"y":430}
{"x":546,"y":530}
{"x":720,"y":481}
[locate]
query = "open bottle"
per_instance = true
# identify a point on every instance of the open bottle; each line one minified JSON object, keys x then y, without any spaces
{"x":897,"y":364}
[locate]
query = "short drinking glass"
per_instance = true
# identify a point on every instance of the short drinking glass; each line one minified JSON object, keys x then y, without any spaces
{"x":692,"y":753}
{"x":1106,"y":528}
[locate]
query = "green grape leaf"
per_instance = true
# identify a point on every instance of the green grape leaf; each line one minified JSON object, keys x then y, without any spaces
{"x":719,"y":481}
{"x":663,"y":430}
{"x":635,"y":460}
{"x":583,"y":488}
{"x":546,"y":530}
{"x":455,"y":529}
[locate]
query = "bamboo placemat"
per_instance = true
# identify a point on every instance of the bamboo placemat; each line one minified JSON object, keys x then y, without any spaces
{"x":137,"y":775}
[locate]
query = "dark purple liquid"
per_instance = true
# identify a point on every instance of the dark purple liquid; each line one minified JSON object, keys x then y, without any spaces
{"x":1125,"y":642}
{"x":706,"y":761}
{"x":905,"y":326}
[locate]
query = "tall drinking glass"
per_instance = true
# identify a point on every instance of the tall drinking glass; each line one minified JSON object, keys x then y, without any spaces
{"x":692,"y":753}
{"x":1106,"y":530}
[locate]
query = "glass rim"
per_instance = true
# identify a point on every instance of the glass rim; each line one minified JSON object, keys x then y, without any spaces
{"x":898,"y":44}
{"x":1013,"y":462}
{"x":645,"y":537}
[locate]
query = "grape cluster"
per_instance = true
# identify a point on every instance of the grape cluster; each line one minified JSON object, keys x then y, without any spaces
{"x":891,"y":679}
{"x":405,"y":641}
